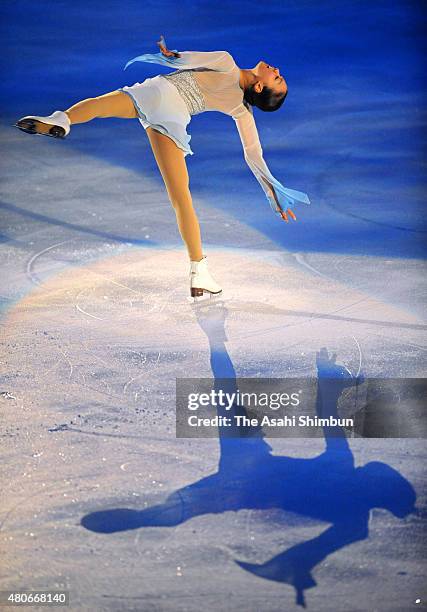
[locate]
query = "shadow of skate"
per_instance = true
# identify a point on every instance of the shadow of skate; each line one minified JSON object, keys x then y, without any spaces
{"x":327,"y":488}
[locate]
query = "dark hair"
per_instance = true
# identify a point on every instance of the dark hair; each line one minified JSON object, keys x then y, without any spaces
{"x":267,"y":100}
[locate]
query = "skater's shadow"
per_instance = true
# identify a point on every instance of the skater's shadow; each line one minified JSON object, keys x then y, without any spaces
{"x":327,"y":488}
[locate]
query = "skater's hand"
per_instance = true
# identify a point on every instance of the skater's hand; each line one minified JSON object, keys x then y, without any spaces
{"x":165,"y":50}
{"x":283,"y":213}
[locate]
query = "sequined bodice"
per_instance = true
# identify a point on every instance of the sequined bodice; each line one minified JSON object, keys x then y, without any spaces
{"x":189,"y":90}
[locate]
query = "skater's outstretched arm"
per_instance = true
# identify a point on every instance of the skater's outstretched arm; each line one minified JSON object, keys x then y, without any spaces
{"x":220,"y":61}
{"x":281,"y":199}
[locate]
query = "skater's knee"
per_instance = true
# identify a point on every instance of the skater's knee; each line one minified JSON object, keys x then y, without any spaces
{"x":181,"y":200}
{"x":102,"y":107}
{"x":178,"y":188}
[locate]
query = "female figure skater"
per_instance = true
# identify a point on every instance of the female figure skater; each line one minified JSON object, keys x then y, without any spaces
{"x":164,"y":104}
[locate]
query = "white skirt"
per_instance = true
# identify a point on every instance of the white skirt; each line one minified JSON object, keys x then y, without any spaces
{"x":161,"y":107}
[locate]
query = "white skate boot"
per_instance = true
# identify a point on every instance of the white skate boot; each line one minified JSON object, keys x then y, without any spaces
{"x":202,"y":285}
{"x":57,"y":124}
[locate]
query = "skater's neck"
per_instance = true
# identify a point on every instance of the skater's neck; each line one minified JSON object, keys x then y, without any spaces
{"x":247,"y":78}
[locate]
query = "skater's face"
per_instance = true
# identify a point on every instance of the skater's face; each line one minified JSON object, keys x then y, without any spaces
{"x":269,"y":76}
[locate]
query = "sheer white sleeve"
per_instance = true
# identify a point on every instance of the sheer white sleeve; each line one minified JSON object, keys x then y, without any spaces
{"x":220,"y":61}
{"x":253,"y":153}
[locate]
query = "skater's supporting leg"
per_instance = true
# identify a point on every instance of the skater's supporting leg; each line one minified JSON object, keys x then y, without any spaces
{"x":113,"y":104}
{"x":171,"y":162}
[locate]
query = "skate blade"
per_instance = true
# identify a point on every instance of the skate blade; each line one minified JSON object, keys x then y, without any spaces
{"x":205,"y":297}
{"x":30,"y":127}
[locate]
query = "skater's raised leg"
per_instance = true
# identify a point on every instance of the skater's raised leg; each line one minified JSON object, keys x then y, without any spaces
{"x":112,"y":104}
{"x":171,"y":162}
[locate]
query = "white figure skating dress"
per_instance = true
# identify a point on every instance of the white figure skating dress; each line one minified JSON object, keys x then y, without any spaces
{"x":204,"y":81}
